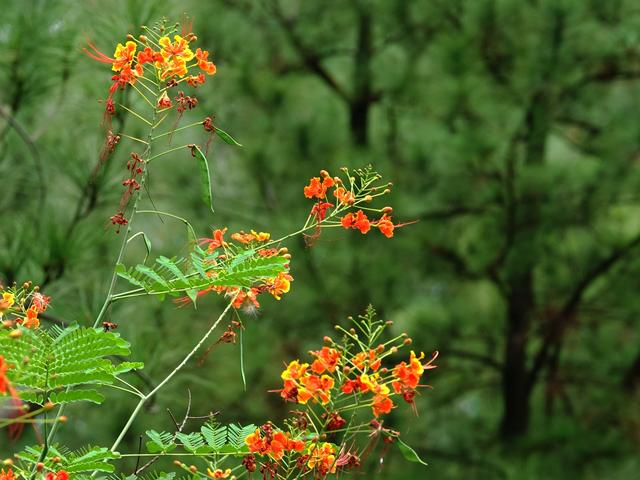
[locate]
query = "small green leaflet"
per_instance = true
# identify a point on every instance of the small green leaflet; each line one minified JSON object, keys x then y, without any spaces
{"x":226,"y":138}
{"x":205,"y":178}
{"x":409,"y":453}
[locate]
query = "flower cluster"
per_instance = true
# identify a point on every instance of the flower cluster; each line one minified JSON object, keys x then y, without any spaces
{"x":266,"y":440}
{"x":341,"y":394}
{"x":170,"y":61}
{"x":219,"y":251}
{"x":21,"y":306}
{"x":351,"y":199}
{"x":354,"y":369}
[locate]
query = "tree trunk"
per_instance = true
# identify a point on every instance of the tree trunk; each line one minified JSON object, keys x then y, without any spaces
{"x":515,"y":383}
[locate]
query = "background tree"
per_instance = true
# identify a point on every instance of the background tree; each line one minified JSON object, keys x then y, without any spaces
{"x":510,"y":127}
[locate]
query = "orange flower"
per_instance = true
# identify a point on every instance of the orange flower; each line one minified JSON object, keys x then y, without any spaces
{"x":356,"y":385}
{"x":217,"y":473}
{"x":322,"y":458}
{"x":256,"y":443}
{"x":5,"y":385}
{"x":40,"y":301}
{"x":61,"y":475}
{"x":179,"y":49}
{"x":386,"y":226}
{"x":317,"y":188}
{"x":358,"y":221}
{"x":6,"y":475}
{"x":371,"y":381}
{"x":319,"y":210}
{"x":123,"y":56}
{"x":295,"y":370}
{"x":149,"y":56}
{"x":381,"y":404}
{"x":203,"y":63}
{"x":318,"y":388}
{"x":6,"y":302}
{"x":408,"y":375}
{"x":327,"y":359}
{"x":217,"y":241}
{"x":344,"y":196}
{"x":31,"y":320}
{"x":194,"y":81}
{"x":247,"y":298}
{"x":176,"y":66}
{"x":360,"y":359}
{"x":278,"y":285}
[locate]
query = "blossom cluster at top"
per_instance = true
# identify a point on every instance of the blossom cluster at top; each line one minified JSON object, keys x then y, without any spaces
{"x":351,"y":199}
{"x":169,"y":56}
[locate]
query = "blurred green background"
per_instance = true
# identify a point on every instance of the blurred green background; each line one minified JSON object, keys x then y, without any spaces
{"x":511,"y":130}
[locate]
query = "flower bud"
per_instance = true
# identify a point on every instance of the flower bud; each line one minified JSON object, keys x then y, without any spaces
{"x":193,"y":468}
{"x":63,"y":419}
{"x":49,"y":406}
{"x":388,"y":323}
{"x":324,"y":173}
{"x":352,"y":331}
{"x":346,"y":370}
{"x":283,"y":250}
{"x":408,"y":341}
{"x":380,"y":348}
{"x":287,"y":256}
{"x":393,"y":349}
{"x":143,"y":38}
{"x":344,"y":169}
{"x":368,"y":198}
{"x":7,"y":461}
{"x":328,"y":339}
{"x":56,"y":460}
{"x":39,"y":466}
{"x":17,"y":333}
{"x":386,"y":190}
{"x":177,"y":463}
{"x":384,"y":370}
{"x":131,"y":37}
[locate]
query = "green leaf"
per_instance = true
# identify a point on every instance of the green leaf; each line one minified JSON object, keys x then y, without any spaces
{"x":205,"y":178}
{"x":409,"y":453}
{"x":226,"y":138}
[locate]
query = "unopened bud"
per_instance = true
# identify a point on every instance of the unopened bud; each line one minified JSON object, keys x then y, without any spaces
{"x":56,"y":460}
{"x":63,"y":419}
{"x":143,"y":38}
{"x":324,"y":173}
{"x":193,"y":468}
{"x":131,"y":37}
{"x":338,"y":180}
{"x":388,"y":323}
{"x":7,"y":461}
{"x":49,"y":406}
{"x":177,"y":463}
{"x":393,"y":349}
{"x":346,"y":370}
{"x":352,"y":330}
{"x":287,"y":256}
{"x":283,"y":250}
{"x":404,"y":335}
{"x":39,"y":466}
{"x":17,"y":333}
{"x":386,"y":190}
{"x":368,"y":198}
{"x":344,"y":169}
{"x":383,"y":370}
{"x":328,"y":339}
{"x":380,"y":348}
{"x":408,"y":341}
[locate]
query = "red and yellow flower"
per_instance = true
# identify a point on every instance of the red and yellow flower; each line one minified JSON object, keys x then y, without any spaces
{"x":322,"y":458}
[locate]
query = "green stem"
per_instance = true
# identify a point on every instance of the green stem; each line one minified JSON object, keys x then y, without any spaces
{"x":184,"y":361}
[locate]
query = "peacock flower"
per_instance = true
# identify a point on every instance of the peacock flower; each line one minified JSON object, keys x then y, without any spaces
{"x":322,"y":458}
{"x":218,"y":473}
{"x":326,"y":359}
{"x":203,"y":62}
{"x":381,"y":404}
{"x":179,"y":49}
{"x":123,"y":56}
{"x":31,"y":320}
{"x":279,"y":285}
